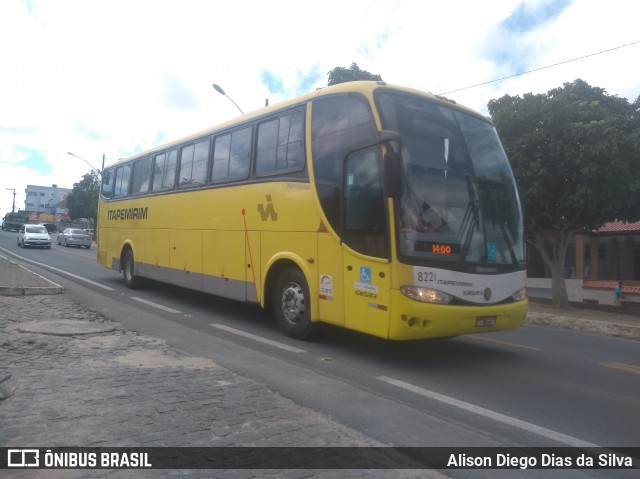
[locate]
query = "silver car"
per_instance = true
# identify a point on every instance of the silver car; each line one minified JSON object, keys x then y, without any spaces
{"x":34,"y":235}
{"x":74,"y":237}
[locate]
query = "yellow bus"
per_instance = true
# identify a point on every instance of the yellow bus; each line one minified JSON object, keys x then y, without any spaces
{"x":368,"y":206}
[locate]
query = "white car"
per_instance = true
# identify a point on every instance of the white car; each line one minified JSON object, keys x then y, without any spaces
{"x":34,"y":235}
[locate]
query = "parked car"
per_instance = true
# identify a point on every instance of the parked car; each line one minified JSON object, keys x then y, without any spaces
{"x":51,"y":228}
{"x":74,"y":237}
{"x":34,"y":235}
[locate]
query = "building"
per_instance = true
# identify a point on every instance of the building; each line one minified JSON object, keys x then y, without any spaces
{"x":594,"y":263}
{"x":611,"y":253}
{"x":43,"y":203}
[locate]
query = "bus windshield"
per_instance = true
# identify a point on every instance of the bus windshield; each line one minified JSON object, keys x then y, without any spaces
{"x":459,"y":203}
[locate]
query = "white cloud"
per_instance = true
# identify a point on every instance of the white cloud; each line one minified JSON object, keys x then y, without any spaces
{"x":113,"y":77}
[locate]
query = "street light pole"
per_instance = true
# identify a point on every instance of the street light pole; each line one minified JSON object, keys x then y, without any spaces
{"x":219,"y":89}
{"x":13,"y":207}
{"x":99,"y":173}
{"x":80,"y":158}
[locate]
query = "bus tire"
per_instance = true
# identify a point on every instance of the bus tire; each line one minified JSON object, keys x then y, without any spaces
{"x":131,"y":280}
{"x":292,"y":304}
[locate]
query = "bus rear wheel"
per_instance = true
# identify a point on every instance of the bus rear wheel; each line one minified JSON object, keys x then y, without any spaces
{"x":131,"y":280}
{"x":291,"y":304}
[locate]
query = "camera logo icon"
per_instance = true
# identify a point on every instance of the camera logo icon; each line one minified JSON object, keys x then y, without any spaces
{"x":23,"y":457}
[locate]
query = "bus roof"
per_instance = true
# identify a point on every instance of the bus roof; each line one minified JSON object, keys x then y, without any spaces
{"x":364,"y":87}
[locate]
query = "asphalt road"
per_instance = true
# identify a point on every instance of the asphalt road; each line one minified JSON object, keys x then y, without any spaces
{"x":537,"y":386}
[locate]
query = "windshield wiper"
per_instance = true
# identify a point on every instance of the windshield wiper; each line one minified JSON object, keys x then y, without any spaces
{"x":471,"y":219}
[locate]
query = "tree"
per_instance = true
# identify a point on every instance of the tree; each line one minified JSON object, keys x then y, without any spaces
{"x":83,"y":199}
{"x":353,"y":73}
{"x":575,"y":153}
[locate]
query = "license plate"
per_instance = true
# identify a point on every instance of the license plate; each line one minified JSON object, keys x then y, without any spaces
{"x":485,"y":321}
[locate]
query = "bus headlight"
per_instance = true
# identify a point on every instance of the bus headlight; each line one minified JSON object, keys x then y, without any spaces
{"x":426,"y":295}
{"x":520,"y":295}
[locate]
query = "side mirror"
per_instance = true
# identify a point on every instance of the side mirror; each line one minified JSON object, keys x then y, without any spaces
{"x":392,"y":163}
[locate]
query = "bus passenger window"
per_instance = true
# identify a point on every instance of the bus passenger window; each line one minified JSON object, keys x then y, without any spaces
{"x":108,"y":180}
{"x":164,"y":173}
{"x":193,"y":164}
{"x":280,"y":145}
{"x":141,"y":176}
{"x":240,"y":151}
{"x":267,"y":143}
{"x":221,"y":150}
{"x":231,"y":155}
{"x":123,"y":176}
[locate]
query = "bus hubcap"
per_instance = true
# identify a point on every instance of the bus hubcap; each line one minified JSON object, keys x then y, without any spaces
{"x":293,"y":303}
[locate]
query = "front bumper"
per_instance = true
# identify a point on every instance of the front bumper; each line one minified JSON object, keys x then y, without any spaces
{"x":414,"y":320}
{"x":39,"y":243}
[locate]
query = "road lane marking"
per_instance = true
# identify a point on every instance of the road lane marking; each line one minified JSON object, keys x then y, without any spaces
{"x":276,"y":344}
{"x":155,"y":305}
{"x":496,"y":416}
{"x":57,"y":270}
{"x":78,"y":253}
{"x":515,"y":345}
{"x":627,"y":368}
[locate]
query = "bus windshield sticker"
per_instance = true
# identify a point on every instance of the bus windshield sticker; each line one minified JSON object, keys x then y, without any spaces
{"x":492,"y":252}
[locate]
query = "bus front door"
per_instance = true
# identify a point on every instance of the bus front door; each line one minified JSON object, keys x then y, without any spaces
{"x":367,"y":295}
{"x":366,"y":269}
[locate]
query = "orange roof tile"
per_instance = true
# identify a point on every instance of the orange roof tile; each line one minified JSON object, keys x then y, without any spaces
{"x":619,"y":227}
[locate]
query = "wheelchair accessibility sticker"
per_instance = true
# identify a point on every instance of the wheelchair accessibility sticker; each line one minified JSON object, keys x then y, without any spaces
{"x":364,"y":285}
{"x":365,"y":274}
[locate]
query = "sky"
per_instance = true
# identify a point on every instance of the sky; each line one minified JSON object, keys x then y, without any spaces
{"x":110,"y":78}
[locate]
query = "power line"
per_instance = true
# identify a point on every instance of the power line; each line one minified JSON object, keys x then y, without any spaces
{"x":542,"y":68}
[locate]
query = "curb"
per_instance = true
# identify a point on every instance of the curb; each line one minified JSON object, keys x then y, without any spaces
{"x":30,"y":290}
{"x":608,"y":328}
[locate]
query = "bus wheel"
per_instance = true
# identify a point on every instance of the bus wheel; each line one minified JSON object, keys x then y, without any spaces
{"x":291,"y":304}
{"x":131,"y":280}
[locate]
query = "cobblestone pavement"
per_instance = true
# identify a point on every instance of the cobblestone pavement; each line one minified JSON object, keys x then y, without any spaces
{"x":117,"y":388}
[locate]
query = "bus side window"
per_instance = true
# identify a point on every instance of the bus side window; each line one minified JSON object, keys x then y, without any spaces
{"x":193,"y":164}
{"x":240,"y":153}
{"x":339,"y":124}
{"x":108,"y":180}
{"x":123,"y":177}
{"x":164,"y":171}
{"x":141,"y":176}
{"x":231,"y":155}
{"x":221,"y":152}
{"x":280,"y":145}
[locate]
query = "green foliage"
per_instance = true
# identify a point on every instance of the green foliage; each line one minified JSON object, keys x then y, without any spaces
{"x":353,"y":73}
{"x":83,"y":199}
{"x":575,"y":153}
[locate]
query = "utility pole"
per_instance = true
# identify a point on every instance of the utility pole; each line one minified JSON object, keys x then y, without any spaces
{"x":13,"y":207}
